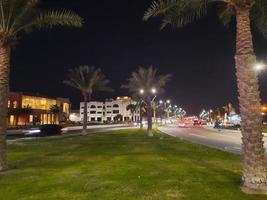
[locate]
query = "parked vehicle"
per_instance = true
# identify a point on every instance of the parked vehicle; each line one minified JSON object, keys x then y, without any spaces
{"x":218,"y":125}
{"x":44,"y":130}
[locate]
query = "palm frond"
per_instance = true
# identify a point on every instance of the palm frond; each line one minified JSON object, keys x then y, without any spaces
{"x":53,"y":18}
{"x":87,"y":79}
{"x":146,"y":78}
{"x":24,"y":15}
{"x":178,"y":13}
{"x":259,"y":16}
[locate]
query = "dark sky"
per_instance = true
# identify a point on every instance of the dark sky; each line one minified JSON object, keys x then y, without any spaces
{"x":114,"y":37}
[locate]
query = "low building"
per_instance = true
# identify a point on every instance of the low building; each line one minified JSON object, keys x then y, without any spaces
{"x":110,"y":110}
{"x":29,"y":109}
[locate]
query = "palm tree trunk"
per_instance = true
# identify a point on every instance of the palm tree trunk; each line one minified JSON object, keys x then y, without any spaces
{"x":85,"y":96}
{"x":149,"y":117}
{"x":4,"y":93}
{"x":141,"y":117}
{"x":254,"y":172}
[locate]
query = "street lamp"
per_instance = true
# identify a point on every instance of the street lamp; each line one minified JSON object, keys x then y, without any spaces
{"x":259,"y":66}
{"x":153,"y":91}
{"x":142,"y":91}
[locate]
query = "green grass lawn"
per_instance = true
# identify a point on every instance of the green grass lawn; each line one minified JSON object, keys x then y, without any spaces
{"x":264,"y":129}
{"x":120,"y":165}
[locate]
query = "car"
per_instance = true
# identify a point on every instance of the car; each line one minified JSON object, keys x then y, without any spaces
{"x":182,"y":125}
{"x":218,"y":125}
{"x":44,"y":130}
{"x":197,"y":122}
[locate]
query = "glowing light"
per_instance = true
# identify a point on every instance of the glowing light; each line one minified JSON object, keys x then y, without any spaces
{"x":142,"y":91}
{"x":153,"y":90}
{"x":168,"y":101}
{"x":259,"y":67}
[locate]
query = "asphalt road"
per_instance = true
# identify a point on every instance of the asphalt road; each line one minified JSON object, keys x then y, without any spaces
{"x":225,"y":140}
{"x":71,"y":131}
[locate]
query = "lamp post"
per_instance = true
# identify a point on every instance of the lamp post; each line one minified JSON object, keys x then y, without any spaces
{"x":147,"y":93}
{"x":165,"y":106}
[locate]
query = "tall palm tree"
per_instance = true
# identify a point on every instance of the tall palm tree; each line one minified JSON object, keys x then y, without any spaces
{"x":147,"y":80}
{"x":16,"y":17}
{"x":181,"y":12}
{"x":87,"y":80}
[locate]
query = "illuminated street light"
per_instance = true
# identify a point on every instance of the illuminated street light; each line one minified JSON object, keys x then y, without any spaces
{"x":161,"y":102}
{"x":168,"y":101}
{"x":259,"y":67}
{"x":142,"y":91}
{"x":153,"y":90}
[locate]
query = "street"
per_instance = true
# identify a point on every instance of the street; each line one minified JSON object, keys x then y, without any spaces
{"x":18,"y":134}
{"x":226,"y":140}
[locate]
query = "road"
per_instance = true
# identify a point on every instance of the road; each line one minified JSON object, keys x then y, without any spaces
{"x":225,"y":140}
{"x":18,"y":134}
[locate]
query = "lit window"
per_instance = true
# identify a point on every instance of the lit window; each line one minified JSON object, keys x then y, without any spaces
{"x":11,"y":119}
{"x":66,"y":108}
{"x":15,"y":104}
{"x":31,"y":118}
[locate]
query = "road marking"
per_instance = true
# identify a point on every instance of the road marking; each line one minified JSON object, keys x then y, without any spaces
{"x":202,"y":136}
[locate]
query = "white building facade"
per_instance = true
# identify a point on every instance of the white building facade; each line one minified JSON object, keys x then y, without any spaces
{"x":110,"y":110}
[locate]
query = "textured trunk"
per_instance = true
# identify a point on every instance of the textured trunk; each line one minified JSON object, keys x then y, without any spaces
{"x":149,"y":117}
{"x":141,"y":117}
{"x":254,"y":172}
{"x":85,"y":100}
{"x":4,"y":93}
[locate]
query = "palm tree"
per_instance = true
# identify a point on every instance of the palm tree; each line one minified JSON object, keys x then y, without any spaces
{"x":148,"y":81}
{"x":87,"y":80}
{"x":181,"y":12}
{"x":132,"y":109}
{"x":16,"y":17}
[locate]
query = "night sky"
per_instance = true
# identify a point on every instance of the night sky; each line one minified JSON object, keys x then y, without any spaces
{"x":114,"y":37}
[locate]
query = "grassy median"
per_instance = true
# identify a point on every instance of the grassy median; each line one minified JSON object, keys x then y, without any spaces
{"x":120,"y":165}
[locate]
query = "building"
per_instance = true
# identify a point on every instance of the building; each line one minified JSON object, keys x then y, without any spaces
{"x":29,"y":109}
{"x":110,"y":110}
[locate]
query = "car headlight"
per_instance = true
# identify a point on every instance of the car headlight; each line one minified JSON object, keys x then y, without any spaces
{"x":35,"y":131}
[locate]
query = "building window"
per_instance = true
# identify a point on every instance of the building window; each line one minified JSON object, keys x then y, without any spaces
{"x":99,"y":119}
{"x":15,"y":104}
{"x":116,"y":111}
{"x":38,"y":103}
{"x":99,"y":112}
{"x":99,"y":106}
{"x":92,"y":112}
{"x":108,"y":106}
{"x":11,"y":119}
{"x":66,"y":108}
{"x":115,"y":106}
{"x":92,"y":119}
{"x":109,"y":119}
{"x":31,"y":118}
{"x":108,"y":112}
{"x":93,"y":106}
